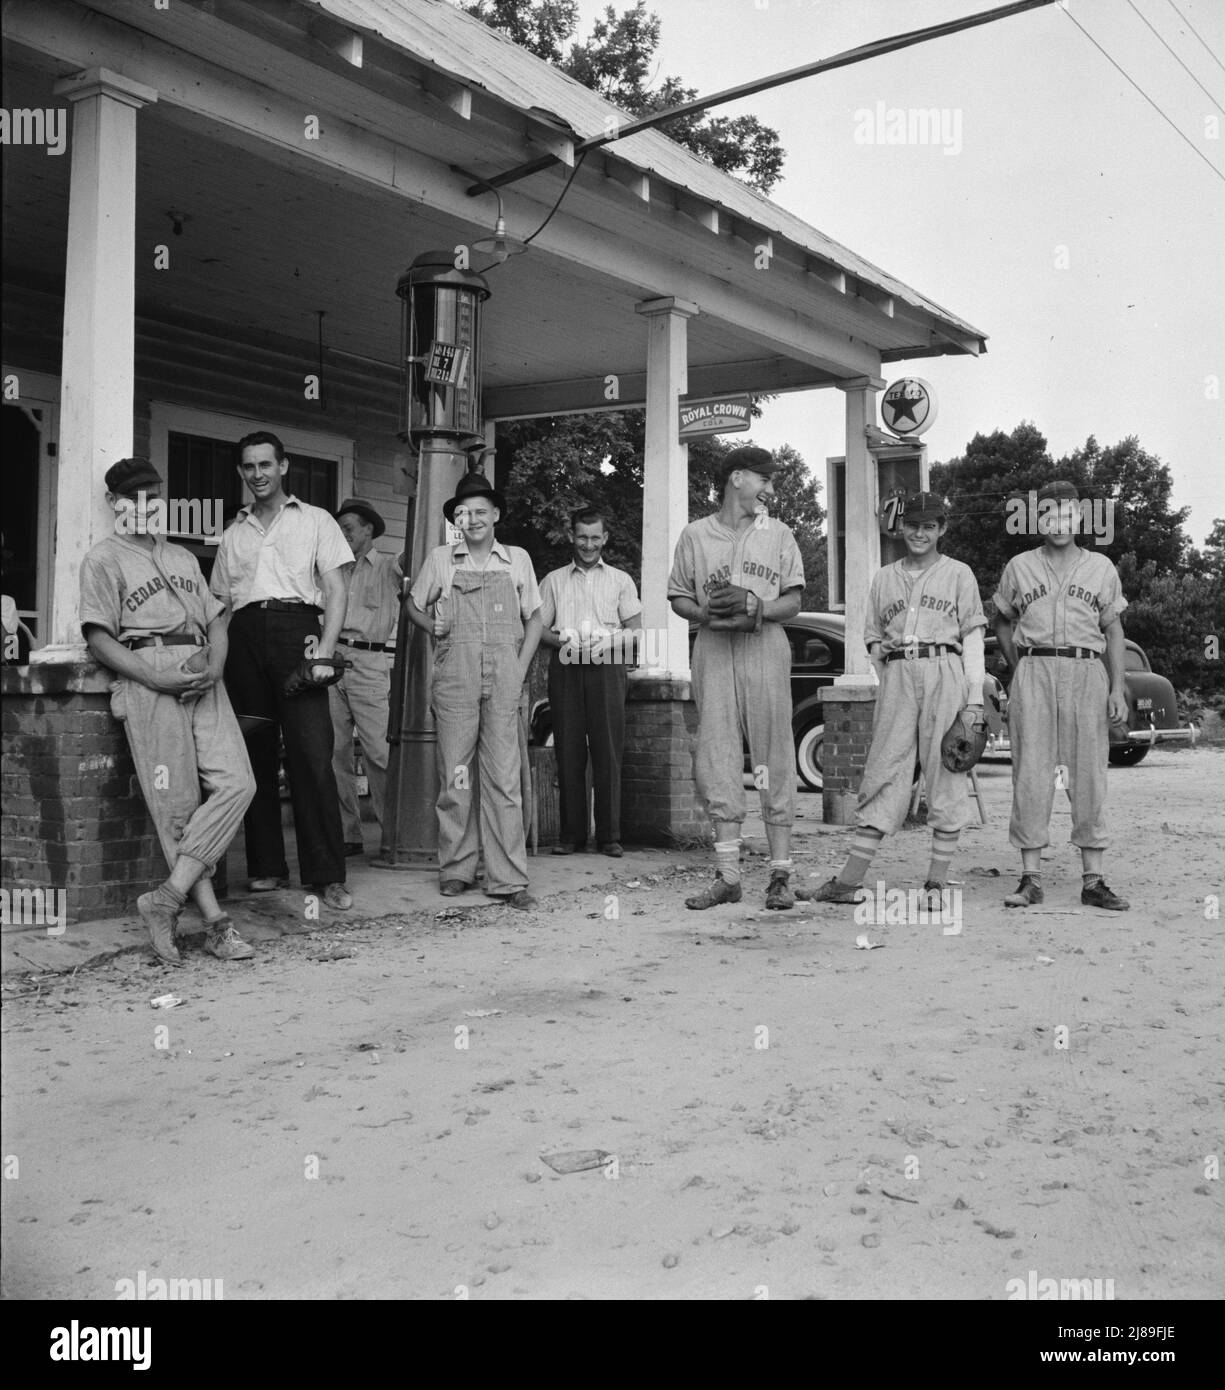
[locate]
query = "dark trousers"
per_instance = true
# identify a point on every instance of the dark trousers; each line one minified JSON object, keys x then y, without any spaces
{"x":587,"y":703}
{"x":265,"y":646}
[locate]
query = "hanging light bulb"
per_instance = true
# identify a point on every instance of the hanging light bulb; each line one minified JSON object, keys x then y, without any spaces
{"x":500,"y":246}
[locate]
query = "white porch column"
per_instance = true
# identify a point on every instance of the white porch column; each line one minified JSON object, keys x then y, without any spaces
{"x":862,"y":525}
{"x":98,"y":375}
{"x":665,"y":497}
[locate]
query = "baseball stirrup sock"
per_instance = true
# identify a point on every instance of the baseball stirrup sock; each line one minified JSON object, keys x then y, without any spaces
{"x":864,"y":844}
{"x":781,"y":866}
{"x":944,"y":843}
{"x":727,"y":859}
{"x":166,"y":896}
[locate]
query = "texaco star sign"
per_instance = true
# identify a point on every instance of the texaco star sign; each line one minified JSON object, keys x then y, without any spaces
{"x":908,"y":407}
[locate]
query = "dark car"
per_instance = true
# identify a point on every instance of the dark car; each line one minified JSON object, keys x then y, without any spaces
{"x":1152,"y":709}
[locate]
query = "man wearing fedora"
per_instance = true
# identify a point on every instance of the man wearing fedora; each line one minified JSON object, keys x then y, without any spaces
{"x":485,"y":621}
{"x":361,"y":698}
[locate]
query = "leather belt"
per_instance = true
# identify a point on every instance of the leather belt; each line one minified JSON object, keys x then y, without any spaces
{"x":362,"y":646}
{"x":283,"y":605}
{"x":1080,"y":653}
{"x":166,"y":639}
{"x":913,"y":650}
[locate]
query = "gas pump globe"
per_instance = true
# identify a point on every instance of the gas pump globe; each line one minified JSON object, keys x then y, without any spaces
{"x":440,"y":417}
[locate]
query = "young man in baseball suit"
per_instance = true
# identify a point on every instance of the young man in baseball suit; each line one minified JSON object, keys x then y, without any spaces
{"x":362,"y":696}
{"x":924,"y":634}
{"x":146,"y":613}
{"x":1057,"y":611}
{"x":739,"y":574}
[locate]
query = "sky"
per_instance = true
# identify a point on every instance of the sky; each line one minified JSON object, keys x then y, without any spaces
{"x":1061,"y":215}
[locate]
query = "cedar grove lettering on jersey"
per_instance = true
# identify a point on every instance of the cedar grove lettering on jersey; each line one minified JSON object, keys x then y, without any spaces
{"x":1074,"y":591}
{"x":140,"y":596}
{"x":937,"y":605}
{"x":749,"y":569}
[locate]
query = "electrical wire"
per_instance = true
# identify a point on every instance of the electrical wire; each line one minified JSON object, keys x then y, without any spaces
{"x":1144,"y":94}
{"x":1132,"y":5}
{"x":1195,"y":31}
{"x":578,"y":164}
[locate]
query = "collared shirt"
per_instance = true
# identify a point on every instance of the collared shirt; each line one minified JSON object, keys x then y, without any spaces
{"x":129,"y":590}
{"x":602,"y":596}
{"x":434,"y":577}
{"x":940,"y":604}
{"x":287,"y":560}
{"x":1071,"y":608}
{"x":374,"y":599}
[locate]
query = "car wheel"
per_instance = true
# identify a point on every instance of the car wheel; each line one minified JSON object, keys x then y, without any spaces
{"x":1130,"y":755}
{"x":808,"y":751}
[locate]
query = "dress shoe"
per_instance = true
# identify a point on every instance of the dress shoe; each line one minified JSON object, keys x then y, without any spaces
{"x":523,"y":900}
{"x":453,"y":887}
{"x":612,"y":849}
{"x":353,"y":847}
{"x":267,"y":885}
{"x":337,"y":895}
{"x":563,"y":849}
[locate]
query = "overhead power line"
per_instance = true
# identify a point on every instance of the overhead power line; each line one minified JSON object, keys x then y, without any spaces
{"x":1195,"y":31}
{"x":1177,"y":59}
{"x":1144,"y":94}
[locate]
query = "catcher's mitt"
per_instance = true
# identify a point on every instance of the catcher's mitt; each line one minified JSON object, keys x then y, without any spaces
{"x":302,"y":677}
{"x":965,"y":741}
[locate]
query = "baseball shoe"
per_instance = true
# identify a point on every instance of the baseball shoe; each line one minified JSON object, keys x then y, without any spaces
{"x":1098,"y":895}
{"x":267,"y":885}
{"x":337,"y":895}
{"x":720,"y":891}
{"x":1028,"y":893}
{"x":161,"y":923}
{"x":612,"y":849}
{"x":778,"y":893}
{"x":353,"y":847}
{"x":224,"y":942}
{"x":523,"y":900}
{"x":831,"y":891}
{"x":453,"y":887}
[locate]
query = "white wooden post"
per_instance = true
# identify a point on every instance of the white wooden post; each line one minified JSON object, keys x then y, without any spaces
{"x":98,"y":373}
{"x":862,"y":525}
{"x":665,"y":496}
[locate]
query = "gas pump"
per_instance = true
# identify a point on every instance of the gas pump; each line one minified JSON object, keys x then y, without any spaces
{"x":440,"y":418}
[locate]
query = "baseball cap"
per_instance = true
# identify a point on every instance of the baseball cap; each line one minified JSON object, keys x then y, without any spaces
{"x":747,"y":456}
{"x":128,"y":476}
{"x":925,"y":506}
{"x":1059,"y":490}
{"x":360,"y":507}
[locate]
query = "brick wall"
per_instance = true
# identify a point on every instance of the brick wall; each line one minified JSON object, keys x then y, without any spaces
{"x":659,"y":802}
{"x":849,"y":711}
{"x":73,"y":817}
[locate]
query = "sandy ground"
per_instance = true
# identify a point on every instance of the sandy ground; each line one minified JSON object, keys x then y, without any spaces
{"x":787,"y":1116}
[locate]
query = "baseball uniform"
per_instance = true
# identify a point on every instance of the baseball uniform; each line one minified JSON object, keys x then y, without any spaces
{"x":140,"y":596}
{"x":922,"y":690}
{"x":1057,"y":710}
{"x":741,"y":680}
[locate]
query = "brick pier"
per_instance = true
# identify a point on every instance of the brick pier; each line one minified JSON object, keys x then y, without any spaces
{"x":849,"y":711}
{"x":73,"y":815}
{"x":659,"y":802}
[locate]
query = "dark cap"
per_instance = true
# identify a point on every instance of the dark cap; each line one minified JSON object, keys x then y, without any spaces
{"x":360,"y":507}
{"x":1060,"y":490}
{"x":747,"y":456}
{"x":128,"y":476}
{"x":925,"y":506}
{"x":473,"y":484}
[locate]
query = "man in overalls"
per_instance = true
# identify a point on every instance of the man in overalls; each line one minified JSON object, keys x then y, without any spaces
{"x":485,"y":620}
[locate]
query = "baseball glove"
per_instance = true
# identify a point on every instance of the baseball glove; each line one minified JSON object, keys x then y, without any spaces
{"x":726,"y":600}
{"x":302,"y":677}
{"x":965,"y":741}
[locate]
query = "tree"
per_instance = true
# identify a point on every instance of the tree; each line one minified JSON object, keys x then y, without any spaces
{"x":617,"y":62}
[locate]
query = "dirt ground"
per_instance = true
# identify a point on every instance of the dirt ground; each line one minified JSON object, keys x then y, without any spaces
{"x":788,"y":1116}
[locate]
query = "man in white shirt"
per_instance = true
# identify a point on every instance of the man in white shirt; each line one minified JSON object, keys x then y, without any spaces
{"x":279,"y":566}
{"x":589,"y":612}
